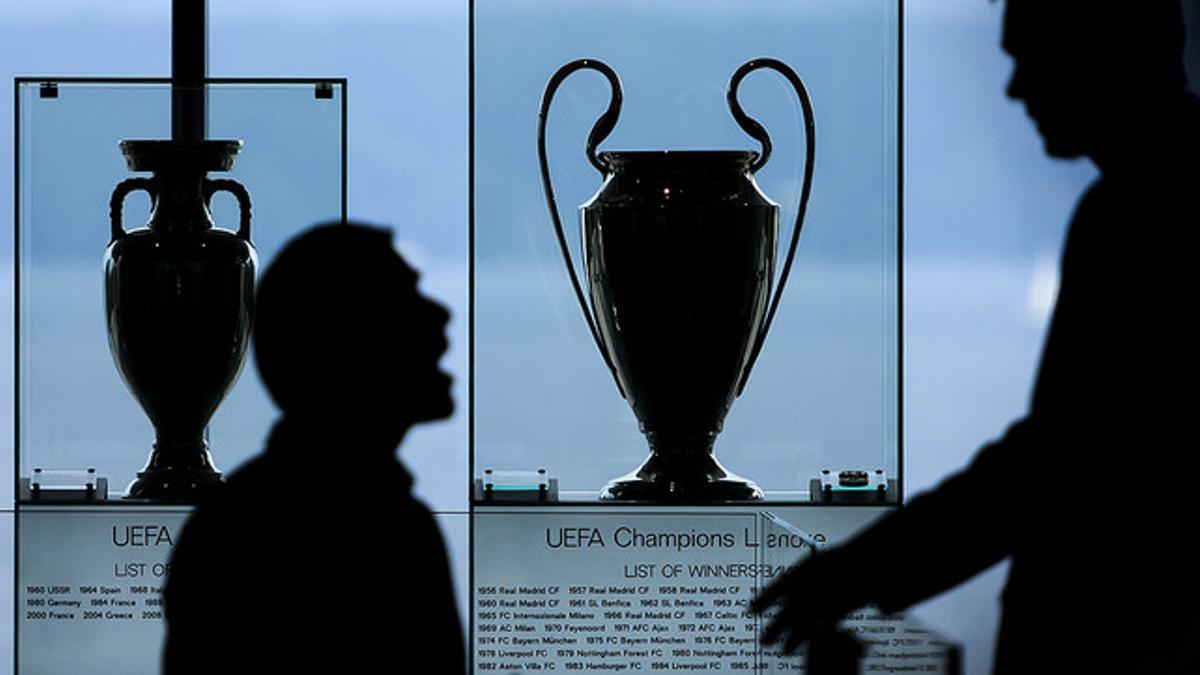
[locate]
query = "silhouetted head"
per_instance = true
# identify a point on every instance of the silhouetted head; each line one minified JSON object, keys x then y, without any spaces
{"x":1094,"y":72}
{"x":343,"y":337}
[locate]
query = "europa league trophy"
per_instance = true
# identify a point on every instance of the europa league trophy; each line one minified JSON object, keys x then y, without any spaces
{"x":179,"y":304}
{"x":679,"y":251}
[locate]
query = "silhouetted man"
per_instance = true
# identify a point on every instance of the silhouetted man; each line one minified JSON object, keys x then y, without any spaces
{"x":315,"y":557}
{"x":1091,"y":493}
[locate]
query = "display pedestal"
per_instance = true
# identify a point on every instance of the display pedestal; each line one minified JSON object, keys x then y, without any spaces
{"x":90,"y":593}
{"x":654,"y":589}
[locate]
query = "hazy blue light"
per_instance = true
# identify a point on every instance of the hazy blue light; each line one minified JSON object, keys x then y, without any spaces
{"x":984,"y":209}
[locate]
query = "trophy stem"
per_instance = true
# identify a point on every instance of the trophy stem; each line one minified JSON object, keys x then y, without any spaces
{"x":676,"y":445}
{"x":681,"y":469}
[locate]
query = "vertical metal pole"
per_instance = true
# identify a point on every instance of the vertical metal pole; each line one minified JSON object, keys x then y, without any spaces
{"x":189,"y":67}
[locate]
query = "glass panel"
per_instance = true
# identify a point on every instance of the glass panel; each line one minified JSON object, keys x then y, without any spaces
{"x":75,"y":412}
{"x":824,"y":393}
{"x":407,"y":64}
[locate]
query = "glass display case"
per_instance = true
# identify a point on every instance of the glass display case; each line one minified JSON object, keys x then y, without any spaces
{"x":91,"y":557}
{"x":686,"y":244}
{"x":563,"y":388}
{"x":74,"y":413}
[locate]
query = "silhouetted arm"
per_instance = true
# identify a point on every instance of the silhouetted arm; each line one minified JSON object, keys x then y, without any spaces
{"x":934,"y":542}
{"x":1104,"y":418}
{"x":969,"y":522}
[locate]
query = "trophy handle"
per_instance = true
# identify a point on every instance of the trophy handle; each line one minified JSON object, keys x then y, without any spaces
{"x":756,"y":130}
{"x":117,"y":202}
{"x":235,"y":188}
{"x":600,"y":130}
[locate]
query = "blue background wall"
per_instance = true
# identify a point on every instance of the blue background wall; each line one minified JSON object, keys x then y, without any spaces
{"x":984,"y":209}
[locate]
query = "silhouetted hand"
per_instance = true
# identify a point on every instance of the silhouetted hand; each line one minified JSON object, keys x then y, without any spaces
{"x":812,"y":598}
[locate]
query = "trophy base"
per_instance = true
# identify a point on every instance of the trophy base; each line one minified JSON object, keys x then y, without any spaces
{"x":179,"y":471}
{"x":685,"y":478}
{"x":173,"y":486}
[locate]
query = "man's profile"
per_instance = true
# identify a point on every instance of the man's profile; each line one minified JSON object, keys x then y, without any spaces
{"x":315,"y":557}
{"x":1084,"y":493}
